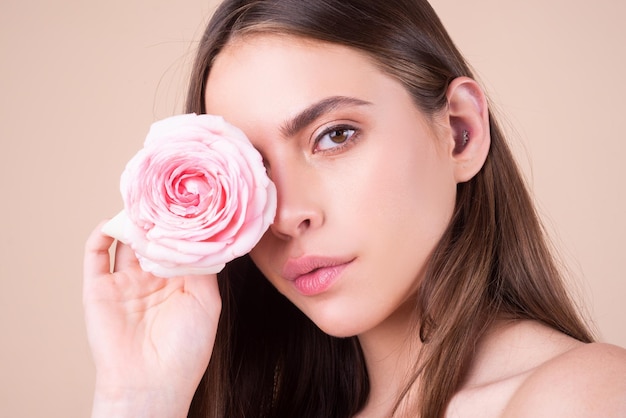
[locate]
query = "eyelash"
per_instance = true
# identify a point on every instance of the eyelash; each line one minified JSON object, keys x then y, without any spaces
{"x":339,"y":146}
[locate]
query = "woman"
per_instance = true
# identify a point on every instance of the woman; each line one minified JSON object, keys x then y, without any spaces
{"x":406,"y":272}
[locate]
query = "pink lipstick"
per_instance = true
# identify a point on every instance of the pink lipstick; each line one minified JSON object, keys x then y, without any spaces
{"x":314,"y":275}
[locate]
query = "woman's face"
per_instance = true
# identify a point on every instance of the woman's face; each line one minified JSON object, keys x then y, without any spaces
{"x":365,"y":184}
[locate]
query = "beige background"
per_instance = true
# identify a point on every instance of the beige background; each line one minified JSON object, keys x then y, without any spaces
{"x":80,"y":81}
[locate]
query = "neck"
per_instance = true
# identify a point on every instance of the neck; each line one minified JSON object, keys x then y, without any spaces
{"x":390,"y":351}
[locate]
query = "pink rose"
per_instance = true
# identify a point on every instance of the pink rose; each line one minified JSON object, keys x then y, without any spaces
{"x":195,"y":197}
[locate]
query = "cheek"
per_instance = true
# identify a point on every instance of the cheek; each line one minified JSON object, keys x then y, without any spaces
{"x":406,"y":201}
{"x":265,"y":256}
{"x":412,"y":183}
{"x":259,"y":254}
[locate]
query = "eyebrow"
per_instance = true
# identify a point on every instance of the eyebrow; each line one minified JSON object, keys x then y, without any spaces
{"x":311,"y":113}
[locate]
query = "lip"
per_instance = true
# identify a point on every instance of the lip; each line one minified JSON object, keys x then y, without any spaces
{"x":312,"y":275}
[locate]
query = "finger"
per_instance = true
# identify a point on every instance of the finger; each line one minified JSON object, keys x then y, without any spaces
{"x":125,"y":258}
{"x":97,"y":259}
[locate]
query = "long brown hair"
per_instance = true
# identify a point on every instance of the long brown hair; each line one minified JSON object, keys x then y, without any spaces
{"x":493,"y":261}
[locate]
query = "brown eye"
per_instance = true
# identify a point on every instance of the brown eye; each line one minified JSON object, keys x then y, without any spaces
{"x":334,"y":137}
{"x":339,"y":136}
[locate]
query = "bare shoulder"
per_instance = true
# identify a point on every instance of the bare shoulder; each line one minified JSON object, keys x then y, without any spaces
{"x":586,"y":381}
{"x":524,"y":369}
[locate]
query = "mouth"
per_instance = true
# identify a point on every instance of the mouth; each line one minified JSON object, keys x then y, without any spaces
{"x":312,"y":275}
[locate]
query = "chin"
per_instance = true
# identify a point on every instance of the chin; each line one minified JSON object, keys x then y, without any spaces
{"x":339,"y":333}
{"x":340,"y":328}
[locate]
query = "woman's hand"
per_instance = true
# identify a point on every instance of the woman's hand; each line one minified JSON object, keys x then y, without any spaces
{"x":151,"y":338}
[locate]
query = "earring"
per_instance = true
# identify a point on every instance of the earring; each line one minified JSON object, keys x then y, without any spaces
{"x":465,"y":137}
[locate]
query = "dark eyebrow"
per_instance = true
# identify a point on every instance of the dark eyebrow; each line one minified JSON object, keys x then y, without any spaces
{"x":308,"y":115}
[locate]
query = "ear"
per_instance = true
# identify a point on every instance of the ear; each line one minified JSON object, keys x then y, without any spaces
{"x":468,"y":118}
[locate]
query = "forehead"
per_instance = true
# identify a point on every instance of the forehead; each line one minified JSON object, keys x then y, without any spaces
{"x":263,"y":77}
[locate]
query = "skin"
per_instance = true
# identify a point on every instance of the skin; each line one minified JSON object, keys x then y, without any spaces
{"x":151,"y":338}
{"x":397,"y":174}
{"x":327,"y":192}
{"x":377,"y":198}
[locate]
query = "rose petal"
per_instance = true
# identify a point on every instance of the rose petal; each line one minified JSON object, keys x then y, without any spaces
{"x":195,"y":197}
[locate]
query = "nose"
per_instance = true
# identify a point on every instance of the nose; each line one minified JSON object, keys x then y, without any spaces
{"x":299,"y":202}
